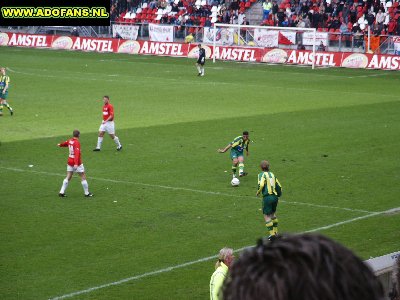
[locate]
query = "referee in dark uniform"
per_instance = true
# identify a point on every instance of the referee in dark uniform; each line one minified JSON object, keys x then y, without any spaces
{"x":201,"y":60}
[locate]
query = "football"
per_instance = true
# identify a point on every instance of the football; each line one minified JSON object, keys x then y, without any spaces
{"x":235,"y":182}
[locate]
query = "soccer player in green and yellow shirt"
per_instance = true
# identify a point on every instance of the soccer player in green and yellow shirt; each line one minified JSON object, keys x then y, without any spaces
{"x":271,"y":189}
{"x":237,"y":146}
{"x":4,"y":85}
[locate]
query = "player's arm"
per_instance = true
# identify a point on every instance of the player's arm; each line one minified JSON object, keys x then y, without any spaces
{"x":63,"y":144}
{"x":77,"y":156}
{"x":6,"y":87}
{"x":225,"y":149}
{"x":278,"y":187}
{"x":261,"y":184}
{"x":247,"y":150}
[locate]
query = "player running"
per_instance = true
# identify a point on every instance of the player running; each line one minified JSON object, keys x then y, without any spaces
{"x":107,"y":125}
{"x":239,"y":144}
{"x":4,"y":86}
{"x":271,"y":189}
{"x":201,"y":60}
{"x":74,"y":164}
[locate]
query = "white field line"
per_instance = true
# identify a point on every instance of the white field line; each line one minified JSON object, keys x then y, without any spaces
{"x":168,"y":269}
{"x":366,"y":76}
{"x":186,"y":189}
{"x":182,"y":81}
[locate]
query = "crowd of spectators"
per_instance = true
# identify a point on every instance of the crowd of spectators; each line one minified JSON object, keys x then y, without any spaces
{"x":341,"y":16}
{"x":181,"y":12}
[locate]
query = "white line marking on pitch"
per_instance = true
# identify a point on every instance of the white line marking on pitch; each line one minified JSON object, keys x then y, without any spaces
{"x":168,"y":269}
{"x":366,"y":76}
{"x":187,"y":189}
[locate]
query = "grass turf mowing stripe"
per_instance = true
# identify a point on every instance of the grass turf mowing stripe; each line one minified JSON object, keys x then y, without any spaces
{"x":186,"y":189}
{"x":204,"y":259}
{"x":189,"y":82}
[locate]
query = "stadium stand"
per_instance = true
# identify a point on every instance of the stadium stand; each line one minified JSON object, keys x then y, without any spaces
{"x":181,"y":12}
{"x":334,"y":16}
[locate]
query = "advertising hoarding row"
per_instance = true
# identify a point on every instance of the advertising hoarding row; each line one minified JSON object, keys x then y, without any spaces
{"x":232,"y":53}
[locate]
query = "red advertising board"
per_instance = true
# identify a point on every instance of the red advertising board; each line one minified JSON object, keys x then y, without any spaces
{"x":245,"y":54}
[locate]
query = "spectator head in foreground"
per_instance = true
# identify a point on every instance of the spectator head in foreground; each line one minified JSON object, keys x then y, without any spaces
{"x":395,"y":292}
{"x":225,"y":259}
{"x":303,"y":266}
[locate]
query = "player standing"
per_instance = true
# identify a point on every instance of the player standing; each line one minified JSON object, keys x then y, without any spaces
{"x":271,"y":189}
{"x":74,"y":164}
{"x":107,"y":125}
{"x":4,"y":85}
{"x":201,"y":60}
{"x":237,"y":146}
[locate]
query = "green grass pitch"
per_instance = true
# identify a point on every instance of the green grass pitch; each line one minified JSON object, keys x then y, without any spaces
{"x":331,"y":135}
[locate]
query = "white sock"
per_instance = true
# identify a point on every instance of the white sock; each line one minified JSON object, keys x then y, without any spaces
{"x":85,"y":187}
{"x":99,"y":141}
{"x":116,"y":140}
{"x":198,"y":68}
{"x":202,"y":70}
{"x":64,"y":186}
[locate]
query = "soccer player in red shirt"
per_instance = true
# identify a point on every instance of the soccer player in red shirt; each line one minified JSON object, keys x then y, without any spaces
{"x":74,"y":164}
{"x":107,"y":125}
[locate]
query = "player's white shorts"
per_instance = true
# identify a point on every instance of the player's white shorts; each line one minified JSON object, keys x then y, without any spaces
{"x":80,"y":169}
{"x":108,"y":127}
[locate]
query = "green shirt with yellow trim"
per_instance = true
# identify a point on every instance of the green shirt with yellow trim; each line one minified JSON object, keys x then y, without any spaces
{"x":239,"y":144}
{"x":4,"y":81}
{"x":268,"y":184}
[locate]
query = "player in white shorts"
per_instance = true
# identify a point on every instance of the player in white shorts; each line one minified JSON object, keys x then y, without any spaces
{"x":107,"y":125}
{"x":74,"y":164}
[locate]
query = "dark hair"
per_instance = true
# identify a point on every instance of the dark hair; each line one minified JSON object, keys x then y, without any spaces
{"x":395,"y":291}
{"x":76,"y":133}
{"x":106,"y":97}
{"x":304,"y":266}
{"x":245,"y":133}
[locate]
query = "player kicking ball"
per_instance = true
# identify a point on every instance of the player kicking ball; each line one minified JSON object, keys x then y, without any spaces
{"x":107,"y":125}
{"x":201,"y":60}
{"x":74,"y":164}
{"x":237,"y":146}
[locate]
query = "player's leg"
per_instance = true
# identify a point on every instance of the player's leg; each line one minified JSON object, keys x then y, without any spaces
{"x":275,"y":222}
{"x":241,"y":166}
{"x":270,"y":226}
{"x":202,"y":70}
{"x":111,"y":132}
{"x":66,"y":181}
{"x":100,"y":138}
{"x":85,"y":185}
{"x":268,"y":215}
{"x":5,"y":103}
{"x":1,"y":106}
{"x":234,"y":165}
{"x":198,"y":69}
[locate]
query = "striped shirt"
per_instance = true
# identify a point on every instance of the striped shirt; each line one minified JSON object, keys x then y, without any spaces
{"x":4,"y":81}
{"x":239,"y":144}
{"x":268,"y":184}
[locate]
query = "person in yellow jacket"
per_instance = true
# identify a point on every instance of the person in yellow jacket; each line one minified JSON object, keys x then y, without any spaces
{"x":225,"y":259}
{"x":267,"y":5}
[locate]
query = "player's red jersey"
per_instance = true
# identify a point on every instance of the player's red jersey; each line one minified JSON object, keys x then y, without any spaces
{"x":74,"y":146}
{"x":108,"y":110}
